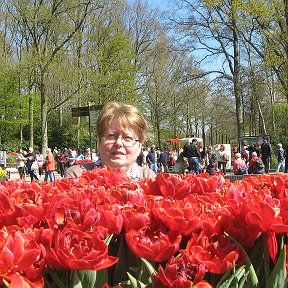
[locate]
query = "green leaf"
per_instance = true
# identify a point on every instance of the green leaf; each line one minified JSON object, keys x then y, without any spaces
{"x":252,"y":278}
{"x":243,"y":280}
{"x":5,"y":283}
{"x":278,"y":275}
{"x":134,"y":283}
{"x":108,"y":239}
{"x":56,"y":280}
{"x":75,"y":280}
{"x":87,"y":278}
{"x":229,"y":281}
{"x":101,"y":278}
{"x":149,"y":267}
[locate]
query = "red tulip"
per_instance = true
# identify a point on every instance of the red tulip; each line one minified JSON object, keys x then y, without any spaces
{"x":181,"y":274}
{"x":153,"y":243}
{"x":173,"y":186}
{"x":264,"y":216}
{"x":7,"y":209}
{"x":179,"y":216}
{"x":74,"y":249}
{"x":20,"y":255}
{"x":111,"y":218}
{"x":217,"y":253}
{"x":135,"y":218}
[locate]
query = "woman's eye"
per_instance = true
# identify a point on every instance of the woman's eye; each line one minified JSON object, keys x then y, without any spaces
{"x":111,"y":136}
{"x":128,"y":138}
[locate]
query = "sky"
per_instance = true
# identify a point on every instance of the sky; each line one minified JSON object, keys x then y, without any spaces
{"x":159,"y":3}
{"x":156,"y":2}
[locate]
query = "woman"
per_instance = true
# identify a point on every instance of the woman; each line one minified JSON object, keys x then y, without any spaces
{"x":40,"y":162}
{"x":62,"y":163}
{"x":32,"y":165}
{"x":79,"y":154}
{"x":239,"y":166}
{"x":281,"y":155}
{"x":223,"y":158}
{"x":212,"y":167}
{"x":121,"y":131}
{"x":49,"y":166}
{"x":20,"y":163}
{"x":256,"y":165}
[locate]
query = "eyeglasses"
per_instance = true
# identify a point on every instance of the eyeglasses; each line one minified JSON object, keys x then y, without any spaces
{"x":127,"y":141}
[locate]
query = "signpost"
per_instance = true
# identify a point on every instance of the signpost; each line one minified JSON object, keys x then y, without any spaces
{"x":92,"y":112}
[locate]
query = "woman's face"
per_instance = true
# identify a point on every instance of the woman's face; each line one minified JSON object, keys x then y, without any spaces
{"x":113,"y":150}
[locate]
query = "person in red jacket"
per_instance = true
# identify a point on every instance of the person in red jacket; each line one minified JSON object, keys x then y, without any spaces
{"x":49,"y":166}
{"x":256,"y":165}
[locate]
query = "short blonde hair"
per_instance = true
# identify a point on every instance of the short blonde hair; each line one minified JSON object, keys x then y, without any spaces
{"x":237,"y":155}
{"x":128,"y":117}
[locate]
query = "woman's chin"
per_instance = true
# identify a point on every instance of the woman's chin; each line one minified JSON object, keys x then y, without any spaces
{"x":116,"y":163}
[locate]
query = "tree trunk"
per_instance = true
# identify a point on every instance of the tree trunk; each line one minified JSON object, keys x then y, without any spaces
{"x":44,"y":115}
{"x":236,"y":82}
{"x":31,"y":121}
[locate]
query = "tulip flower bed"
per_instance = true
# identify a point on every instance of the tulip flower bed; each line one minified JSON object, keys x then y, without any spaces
{"x":78,"y":162}
{"x":104,"y":230}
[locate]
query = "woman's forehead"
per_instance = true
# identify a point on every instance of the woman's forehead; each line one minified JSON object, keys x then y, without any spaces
{"x":119,"y":127}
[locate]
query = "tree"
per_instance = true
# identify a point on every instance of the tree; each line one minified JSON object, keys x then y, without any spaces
{"x":268,"y":35}
{"x":47,"y":27}
{"x":212,"y":26}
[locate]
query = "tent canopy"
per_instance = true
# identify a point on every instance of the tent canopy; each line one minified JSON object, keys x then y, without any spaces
{"x":175,"y":140}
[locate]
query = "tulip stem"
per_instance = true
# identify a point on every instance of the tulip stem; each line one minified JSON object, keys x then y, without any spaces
{"x":252,"y":274}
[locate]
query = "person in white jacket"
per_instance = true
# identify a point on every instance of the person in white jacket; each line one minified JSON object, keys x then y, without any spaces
{"x":20,"y":163}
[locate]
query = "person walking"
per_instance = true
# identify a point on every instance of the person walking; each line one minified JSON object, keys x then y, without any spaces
{"x":62,"y":163}
{"x":32,"y":165}
{"x":164,"y":160}
{"x":281,"y":156}
{"x":20,"y":164}
{"x":40,"y":162}
{"x":192,"y":153}
{"x":266,"y":152}
{"x":152,"y":159}
{"x":49,"y":166}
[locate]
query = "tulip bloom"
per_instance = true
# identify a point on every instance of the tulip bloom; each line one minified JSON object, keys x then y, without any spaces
{"x":21,"y":256}
{"x":136,"y":218}
{"x":217,"y":253}
{"x":179,"y":216}
{"x":180,"y":273}
{"x":153,"y":243}
{"x":74,"y":249}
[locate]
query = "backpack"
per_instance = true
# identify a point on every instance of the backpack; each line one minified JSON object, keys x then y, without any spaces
{"x":241,"y":171}
{"x":224,"y":157}
{"x":259,"y":164}
{"x":186,"y":152}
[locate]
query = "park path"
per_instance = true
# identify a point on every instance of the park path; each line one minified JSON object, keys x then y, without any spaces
{"x":15,"y":175}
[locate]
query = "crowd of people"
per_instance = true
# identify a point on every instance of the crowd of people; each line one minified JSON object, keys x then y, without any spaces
{"x":256,"y":158}
{"x":34,"y":164}
{"x":192,"y":158}
{"x":121,"y":131}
